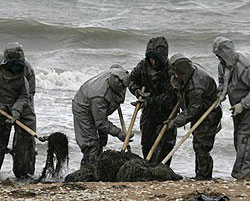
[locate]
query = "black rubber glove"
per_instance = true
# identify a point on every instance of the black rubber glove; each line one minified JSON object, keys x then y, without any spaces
{"x":138,"y":93}
{"x":144,"y":102}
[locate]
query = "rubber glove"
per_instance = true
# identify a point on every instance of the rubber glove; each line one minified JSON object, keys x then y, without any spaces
{"x":138,"y":93}
{"x":236,"y":109}
{"x":144,"y":102}
{"x":170,"y":123}
{"x":121,"y":136}
{"x":15,"y":115}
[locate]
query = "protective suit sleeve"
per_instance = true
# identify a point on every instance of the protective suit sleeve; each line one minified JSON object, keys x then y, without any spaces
{"x":22,"y":98}
{"x":30,"y":75}
{"x":246,"y":80}
{"x":220,"y":78}
{"x":99,"y":109}
{"x":194,"y":108}
{"x":135,"y":78}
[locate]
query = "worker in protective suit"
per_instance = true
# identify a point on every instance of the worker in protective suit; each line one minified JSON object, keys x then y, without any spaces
{"x":159,"y":98}
{"x":234,"y":80}
{"x":24,"y":144}
{"x":14,"y":92}
{"x":96,"y":99}
{"x":198,"y":92}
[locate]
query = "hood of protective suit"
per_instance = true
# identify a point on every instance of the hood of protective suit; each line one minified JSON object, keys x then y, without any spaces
{"x":13,"y":51}
{"x":157,"y":49}
{"x":224,"y":48}
{"x":118,"y":79}
{"x":182,"y":66}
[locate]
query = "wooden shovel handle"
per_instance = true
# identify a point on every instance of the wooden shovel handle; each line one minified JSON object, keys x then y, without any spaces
{"x":137,"y":107}
{"x":185,"y":137}
{"x":19,"y":123}
{"x":121,"y":119}
{"x":163,"y":130}
{"x":123,"y":124}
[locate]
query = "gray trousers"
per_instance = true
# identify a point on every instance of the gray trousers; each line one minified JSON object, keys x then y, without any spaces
{"x":241,"y":168}
{"x":89,"y":139}
{"x":203,"y":142}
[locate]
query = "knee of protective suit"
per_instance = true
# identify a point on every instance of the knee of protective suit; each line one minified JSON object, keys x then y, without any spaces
{"x":202,"y":148}
{"x":202,"y":155}
{"x":203,"y":141}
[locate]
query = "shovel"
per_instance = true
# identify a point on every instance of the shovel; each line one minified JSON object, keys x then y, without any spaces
{"x":163,"y":130}
{"x":24,"y":127}
{"x":128,"y":133}
{"x":185,"y":137}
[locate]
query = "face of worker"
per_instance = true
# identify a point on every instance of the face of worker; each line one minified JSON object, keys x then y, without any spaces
{"x":221,"y":60}
{"x":154,"y":63}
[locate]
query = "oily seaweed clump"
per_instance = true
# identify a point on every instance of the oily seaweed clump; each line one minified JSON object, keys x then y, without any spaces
{"x":106,"y":168}
{"x":57,"y":155}
{"x":133,"y":170}
{"x":141,"y":170}
{"x":110,"y":162}
{"x":116,"y":166}
{"x":85,"y":174}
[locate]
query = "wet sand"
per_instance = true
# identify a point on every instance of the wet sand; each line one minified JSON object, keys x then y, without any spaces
{"x":184,"y":190}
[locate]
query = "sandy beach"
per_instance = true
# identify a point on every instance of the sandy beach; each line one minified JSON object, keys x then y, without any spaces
{"x":185,"y":190}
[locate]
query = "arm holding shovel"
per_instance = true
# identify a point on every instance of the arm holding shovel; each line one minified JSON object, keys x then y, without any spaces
{"x":27,"y":129}
{"x":185,"y":137}
{"x":199,"y":95}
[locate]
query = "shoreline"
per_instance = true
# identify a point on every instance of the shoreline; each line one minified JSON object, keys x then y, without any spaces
{"x":168,"y":190}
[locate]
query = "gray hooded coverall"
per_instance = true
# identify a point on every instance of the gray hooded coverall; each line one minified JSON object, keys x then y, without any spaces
{"x":14,"y":97}
{"x":23,"y":144}
{"x":198,"y":92}
{"x":96,"y":99}
{"x":238,"y":90}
